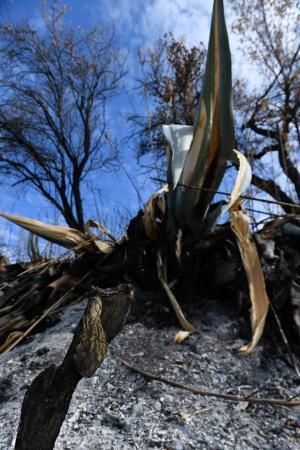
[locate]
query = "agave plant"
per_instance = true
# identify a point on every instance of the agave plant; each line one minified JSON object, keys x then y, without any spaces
{"x":212,"y":136}
{"x":197,"y":158}
{"x":197,"y":155}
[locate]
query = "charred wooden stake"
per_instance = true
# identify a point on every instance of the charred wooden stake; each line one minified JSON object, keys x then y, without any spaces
{"x":47,"y":401}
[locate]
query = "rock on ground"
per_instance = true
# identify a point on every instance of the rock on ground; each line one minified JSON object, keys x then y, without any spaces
{"x":120,"y":409}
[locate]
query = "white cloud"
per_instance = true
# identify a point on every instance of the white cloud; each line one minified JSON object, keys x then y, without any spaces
{"x":146,"y":21}
{"x":140,"y":23}
{"x":189,"y":18}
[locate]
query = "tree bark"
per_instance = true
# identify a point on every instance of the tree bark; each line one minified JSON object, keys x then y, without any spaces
{"x":47,"y":401}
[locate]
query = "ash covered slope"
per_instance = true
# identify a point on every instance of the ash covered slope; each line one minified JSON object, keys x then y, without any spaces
{"x":119,"y":409}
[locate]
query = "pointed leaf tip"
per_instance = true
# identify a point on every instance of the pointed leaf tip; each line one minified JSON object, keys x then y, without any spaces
{"x":243,"y":180}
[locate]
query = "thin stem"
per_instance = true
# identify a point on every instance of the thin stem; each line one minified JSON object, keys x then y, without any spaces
{"x":244,"y":197}
{"x":198,"y":391}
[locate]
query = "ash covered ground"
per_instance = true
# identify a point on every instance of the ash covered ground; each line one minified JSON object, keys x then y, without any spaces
{"x":120,"y":409}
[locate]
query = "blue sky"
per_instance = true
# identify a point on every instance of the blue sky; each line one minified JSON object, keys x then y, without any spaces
{"x":138,"y":24}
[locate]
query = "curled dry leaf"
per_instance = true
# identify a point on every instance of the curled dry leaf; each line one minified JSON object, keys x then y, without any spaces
{"x":252,"y":265}
{"x":181,"y":336}
{"x":242,"y":182}
{"x":103,"y":246}
{"x":64,"y":236}
{"x":149,"y":218}
{"x":13,"y":336}
{"x":94,"y":224}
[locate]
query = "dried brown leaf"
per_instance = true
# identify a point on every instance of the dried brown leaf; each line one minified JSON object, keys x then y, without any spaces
{"x":64,"y":236}
{"x":103,"y":246}
{"x":256,"y":281}
{"x":149,"y":217}
{"x":181,"y":336}
{"x":162,"y":275}
{"x":242,"y":182}
{"x":94,"y":224}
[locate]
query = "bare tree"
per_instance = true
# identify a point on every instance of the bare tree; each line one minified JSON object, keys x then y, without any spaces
{"x":171,"y":83}
{"x":267,"y":126}
{"x":270,"y":131}
{"x":55,"y":84}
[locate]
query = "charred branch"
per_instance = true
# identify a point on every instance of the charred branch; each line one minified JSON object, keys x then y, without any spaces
{"x":47,"y":401}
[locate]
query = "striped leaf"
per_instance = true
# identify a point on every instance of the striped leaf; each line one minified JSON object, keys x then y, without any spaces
{"x":213,"y":134}
{"x":64,"y":236}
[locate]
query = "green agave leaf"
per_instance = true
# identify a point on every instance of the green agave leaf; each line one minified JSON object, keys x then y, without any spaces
{"x":171,"y":196}
{"x":213,"y":138}
{"x":214,"y":211}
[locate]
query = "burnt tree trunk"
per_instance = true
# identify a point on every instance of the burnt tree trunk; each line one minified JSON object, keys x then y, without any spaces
{"x":47,"y":401}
